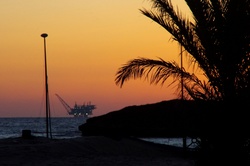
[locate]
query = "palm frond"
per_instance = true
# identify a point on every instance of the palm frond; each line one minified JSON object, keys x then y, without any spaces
{"x":195,"y":89}
{"x":180,"y":28}
{"x":157,"y":71}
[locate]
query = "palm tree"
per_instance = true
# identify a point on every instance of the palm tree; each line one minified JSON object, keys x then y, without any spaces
{"x":216,"y":40}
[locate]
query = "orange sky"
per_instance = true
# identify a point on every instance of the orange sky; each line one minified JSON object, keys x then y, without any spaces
{"x":87,"y":42}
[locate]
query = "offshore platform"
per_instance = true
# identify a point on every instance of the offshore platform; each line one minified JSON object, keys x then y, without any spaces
{"x":78,"y":110}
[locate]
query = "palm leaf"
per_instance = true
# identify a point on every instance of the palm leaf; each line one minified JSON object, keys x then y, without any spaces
{"x":154,"y":70}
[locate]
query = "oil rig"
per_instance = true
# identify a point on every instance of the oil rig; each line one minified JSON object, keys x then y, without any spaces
{"x":78,"y":110}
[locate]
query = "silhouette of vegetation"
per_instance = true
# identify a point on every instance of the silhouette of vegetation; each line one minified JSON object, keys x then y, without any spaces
{"x":163,"y":119}
{"x":217,"y":41}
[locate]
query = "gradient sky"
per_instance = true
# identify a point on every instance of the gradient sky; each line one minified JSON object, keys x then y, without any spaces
{"x":87,"y":42}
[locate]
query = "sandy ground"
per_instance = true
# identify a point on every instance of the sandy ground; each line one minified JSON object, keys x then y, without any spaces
{"x":89,"y":151}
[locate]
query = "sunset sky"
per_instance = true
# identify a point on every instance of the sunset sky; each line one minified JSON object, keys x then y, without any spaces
{"x":87,"y":42}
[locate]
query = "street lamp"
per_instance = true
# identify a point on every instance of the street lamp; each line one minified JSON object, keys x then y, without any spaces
{"x":48,"y":124}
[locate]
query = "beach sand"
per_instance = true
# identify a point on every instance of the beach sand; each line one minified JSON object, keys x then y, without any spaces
{"x":89,"y":151}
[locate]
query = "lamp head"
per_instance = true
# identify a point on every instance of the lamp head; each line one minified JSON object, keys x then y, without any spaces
{"x":44,"y":35}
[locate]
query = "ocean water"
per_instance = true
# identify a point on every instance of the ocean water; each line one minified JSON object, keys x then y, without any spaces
{"x":61,"y":128}
{"x":178,"y":142}
{"x":64,"y":128}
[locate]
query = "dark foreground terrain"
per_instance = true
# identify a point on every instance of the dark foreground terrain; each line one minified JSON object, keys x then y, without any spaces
{"x":90,"y":151}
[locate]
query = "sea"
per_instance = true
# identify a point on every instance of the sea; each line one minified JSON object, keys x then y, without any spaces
{"x":64,"y":128}
{"x":61,"y":127}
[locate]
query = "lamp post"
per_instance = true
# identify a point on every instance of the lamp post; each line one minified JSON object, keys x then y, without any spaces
{"x":182,"y":97}
{"x":48,"y":124}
